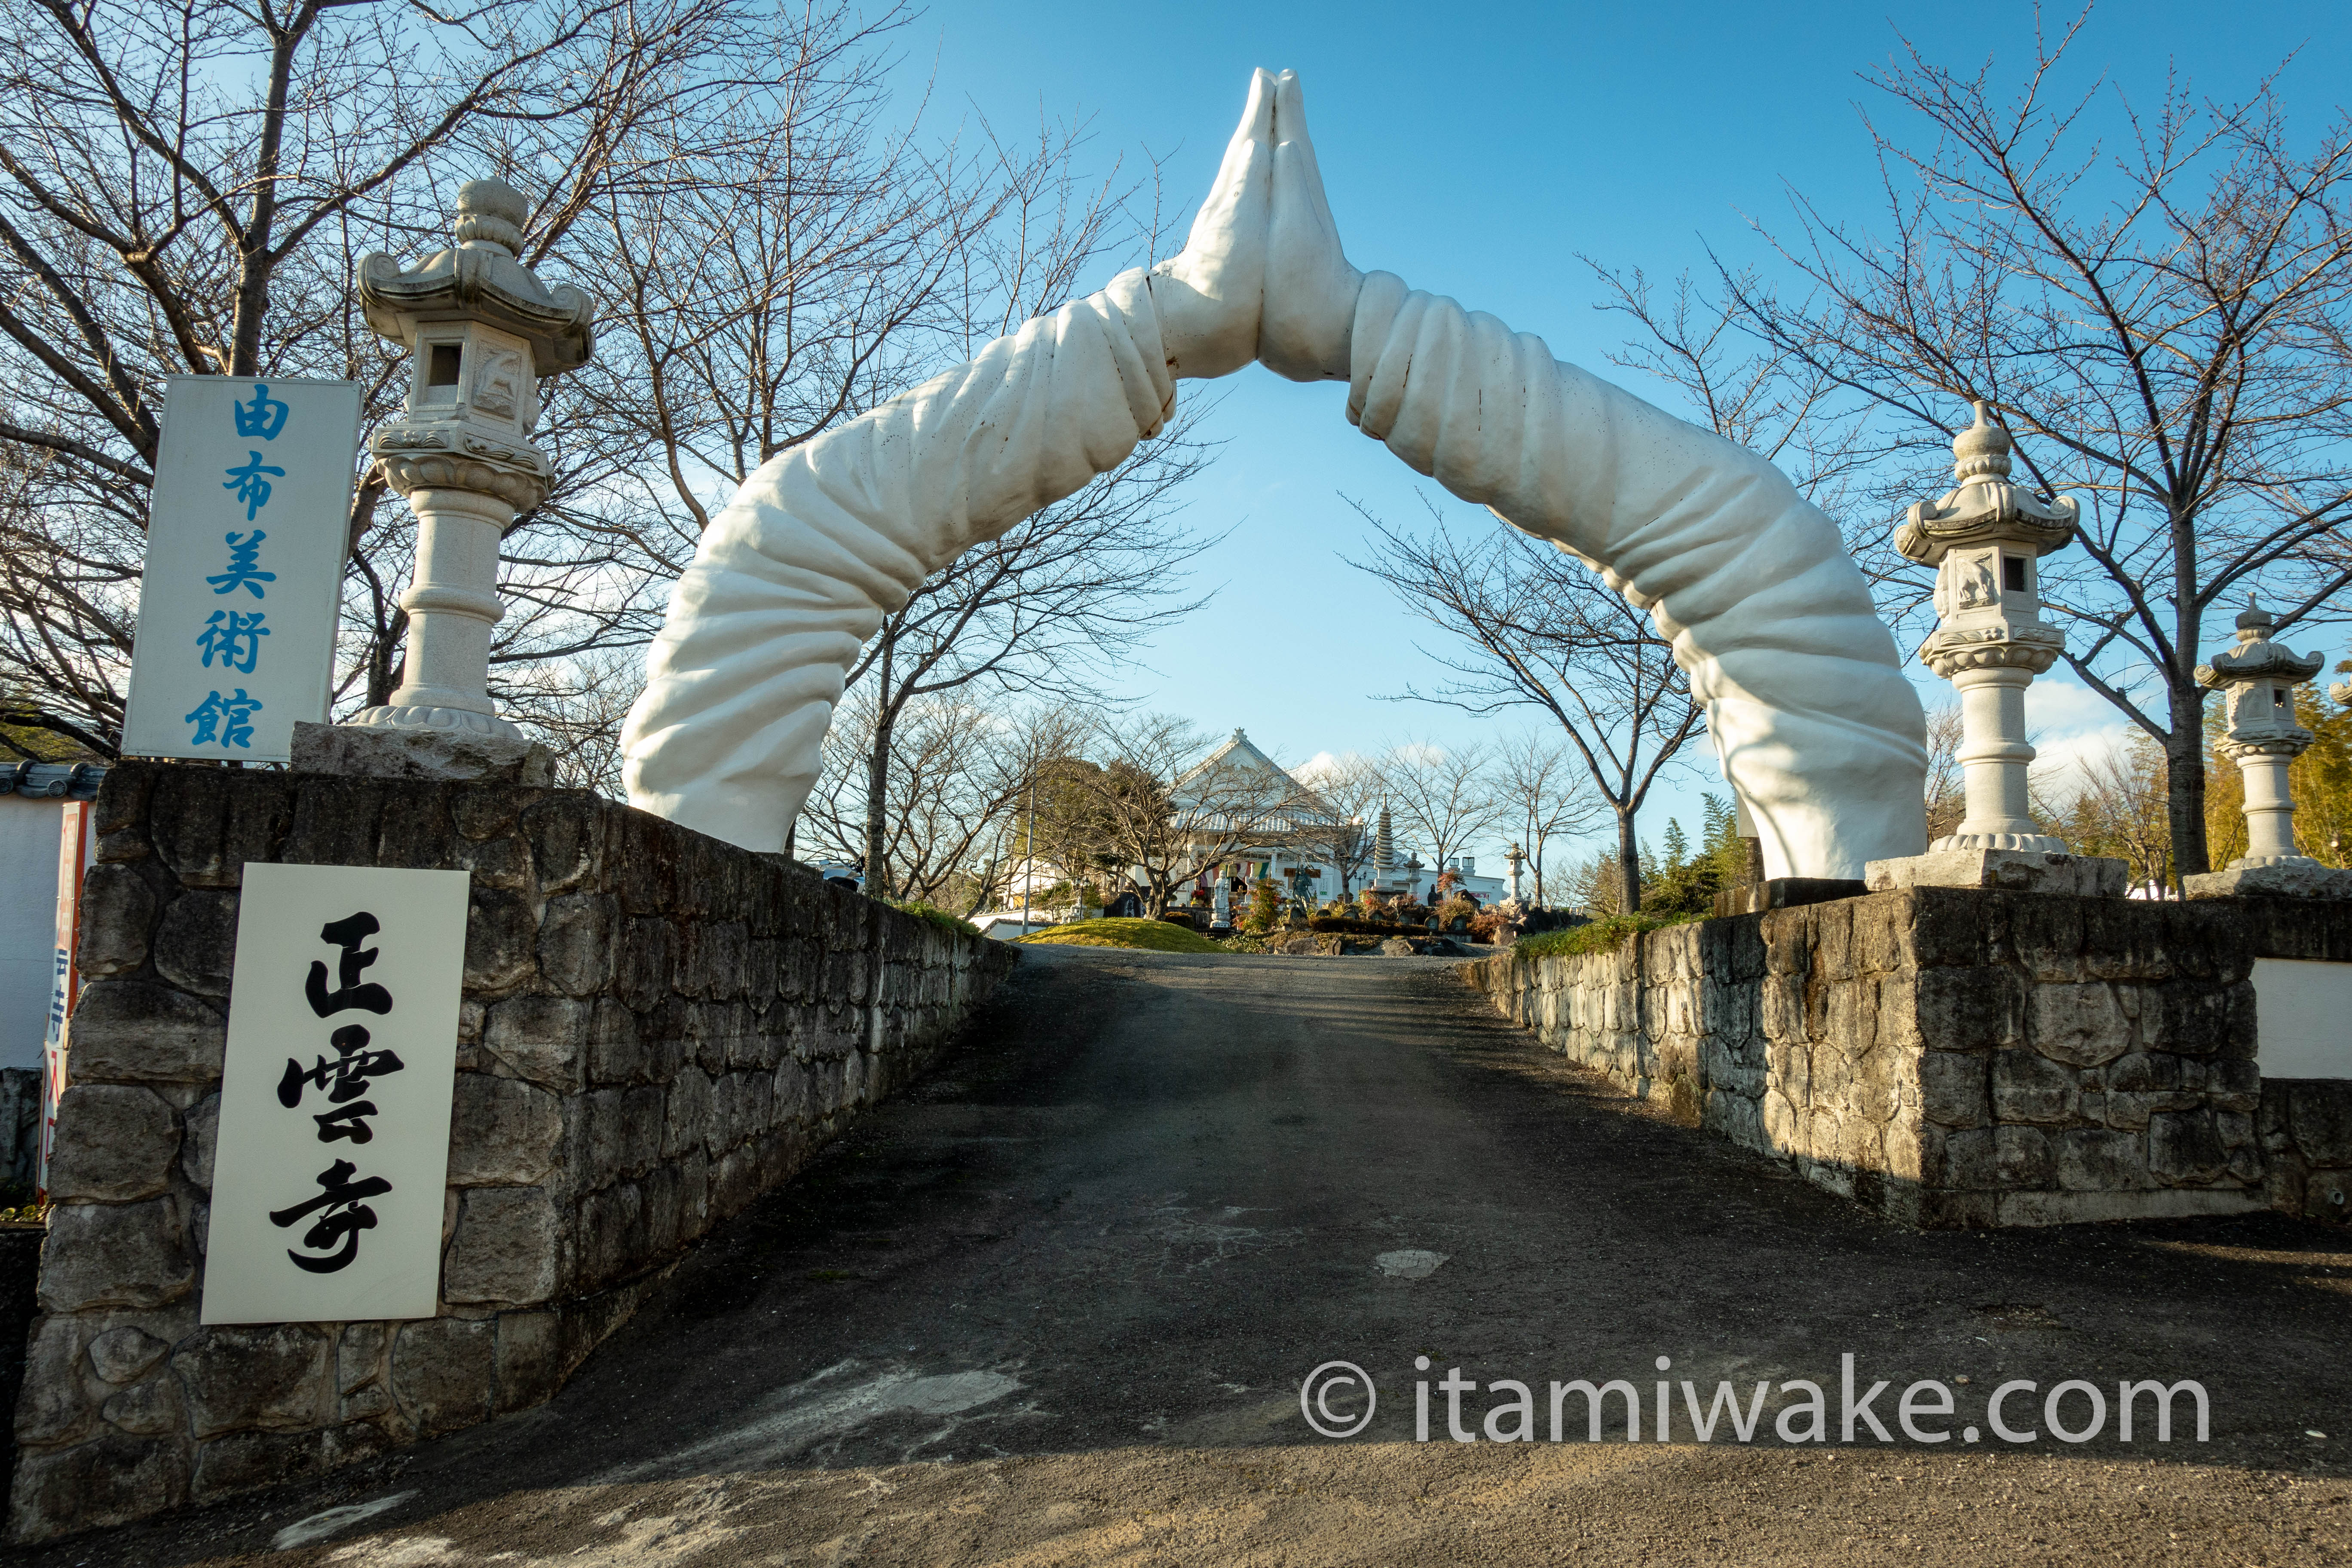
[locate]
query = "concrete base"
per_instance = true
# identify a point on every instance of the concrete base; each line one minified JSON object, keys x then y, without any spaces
{"x":1785,"y":893}
{"x":444,"y":755}
{"x":2281,"y":880}
{"x":2010,"y":870}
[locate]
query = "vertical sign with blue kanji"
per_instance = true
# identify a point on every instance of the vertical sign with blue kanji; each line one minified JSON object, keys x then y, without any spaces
{"x":246,"y":541}
{"x":331,"y":1159}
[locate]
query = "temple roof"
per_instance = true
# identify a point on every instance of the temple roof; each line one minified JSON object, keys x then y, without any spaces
{"x":1238,"y":753}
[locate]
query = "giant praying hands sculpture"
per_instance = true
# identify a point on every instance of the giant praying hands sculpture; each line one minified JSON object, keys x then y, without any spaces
{"x":1815,"y":725}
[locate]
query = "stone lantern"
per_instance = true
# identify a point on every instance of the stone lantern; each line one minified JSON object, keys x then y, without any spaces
{"x":2257,"y":679}
{"x":482,"y":332}
{"x":1517,"y":858}
{"x":1985,"y":539}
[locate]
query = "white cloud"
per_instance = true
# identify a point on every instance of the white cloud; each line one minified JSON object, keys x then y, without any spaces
{"x":2072,"y":728}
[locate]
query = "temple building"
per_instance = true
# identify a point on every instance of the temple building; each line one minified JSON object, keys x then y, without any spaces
{"x":1288,"y":832}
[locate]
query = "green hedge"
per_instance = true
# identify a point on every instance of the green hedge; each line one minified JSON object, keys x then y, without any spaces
{"x":1598,"y":936}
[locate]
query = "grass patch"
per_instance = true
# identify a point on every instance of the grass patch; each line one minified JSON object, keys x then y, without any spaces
{"x":1598,"y":936}
{"x":937,"y":916}
{"x":1152,"y":936}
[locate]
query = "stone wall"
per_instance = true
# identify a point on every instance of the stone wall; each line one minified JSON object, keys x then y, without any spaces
{"x":656,"y":1028}
{"x":1958,"y":1057}
{"x":20,"y":1125}
{"x":2305,"y":1127}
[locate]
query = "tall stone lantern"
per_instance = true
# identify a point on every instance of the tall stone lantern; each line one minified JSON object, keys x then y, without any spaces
{"x":482,"y":332}
{"x":2257,"y":681}
{"x":1986,"y":538}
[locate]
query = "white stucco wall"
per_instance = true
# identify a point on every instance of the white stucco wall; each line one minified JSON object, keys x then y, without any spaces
{"x":2303,"y":1013}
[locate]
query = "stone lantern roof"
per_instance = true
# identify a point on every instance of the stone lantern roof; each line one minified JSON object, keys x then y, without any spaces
{"x":480,"y":279}
{"x":2256,"y":658}
{"x":1985,"y":507}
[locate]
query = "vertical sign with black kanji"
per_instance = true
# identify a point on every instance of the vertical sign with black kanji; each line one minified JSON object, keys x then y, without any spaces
{"x":334,"y":1149}
{"x":246,"y":535}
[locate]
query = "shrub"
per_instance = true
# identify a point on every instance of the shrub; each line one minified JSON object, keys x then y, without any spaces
{"x":1460,"y":906}
{"x":1349,"y":926}
{"x":1265,"y":905}
{"x":1598,"y":936}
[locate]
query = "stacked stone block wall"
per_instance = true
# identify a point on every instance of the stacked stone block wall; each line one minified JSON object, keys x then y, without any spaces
{"x":656,"y":1028}
{"x":2305,"y":1126}
{"x":1969,"y":1057}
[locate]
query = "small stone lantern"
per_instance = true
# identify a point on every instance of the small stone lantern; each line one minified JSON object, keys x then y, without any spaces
{"x":2257,"y":679}
{"x":482,"y":332}
{"x":1517,"y":858}
{"x":1985,"y":539}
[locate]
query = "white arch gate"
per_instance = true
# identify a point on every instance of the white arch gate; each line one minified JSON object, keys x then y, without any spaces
{"x":1818,"y":729}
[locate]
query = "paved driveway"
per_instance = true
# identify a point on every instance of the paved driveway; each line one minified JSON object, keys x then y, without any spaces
{"x":1055,"y":1304}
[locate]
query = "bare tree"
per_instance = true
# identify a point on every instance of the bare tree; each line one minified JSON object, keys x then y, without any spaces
{"x":1444,"y":795}
{"x":1147,"y":807}
{"x":576,"y":706}
{"x":965,"y":768}
{"x":1761,"y":396}
{"x":1946,"y":790}
{"x":2117,"y":808}
{"x":186,"y":191}
{"x":189,"y":192}
{"x":1545,"y":795}
{"x":2155,"y":297}
{"x":1348,"y":790}
{"x":1044,"y":611}
{"x":1534,"y":627}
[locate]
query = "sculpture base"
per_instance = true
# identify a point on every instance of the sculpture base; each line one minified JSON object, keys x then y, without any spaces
{"x":1785,"y":893}
{"x":432,"y":717}
{"x":2023,"y":843}
{"x":2295,"y":876}
{"x":2010,"y":870}
{"x":380,"y":751}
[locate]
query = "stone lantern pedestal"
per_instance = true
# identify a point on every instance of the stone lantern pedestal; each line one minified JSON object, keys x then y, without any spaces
{"x":482,"y":332}
{"x":1985,"y":539}
{"x":2257,"y":679}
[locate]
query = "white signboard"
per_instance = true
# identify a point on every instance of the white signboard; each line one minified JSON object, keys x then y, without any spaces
{"x":2302,"y":1018}
{"x":246,"y":540}
{"x":333,"y":1148}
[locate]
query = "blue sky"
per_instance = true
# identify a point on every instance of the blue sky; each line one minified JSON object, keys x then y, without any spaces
{"x":1475,"y":150}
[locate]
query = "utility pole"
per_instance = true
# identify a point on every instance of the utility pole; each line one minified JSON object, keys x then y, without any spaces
{"x":1029,"y":852}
